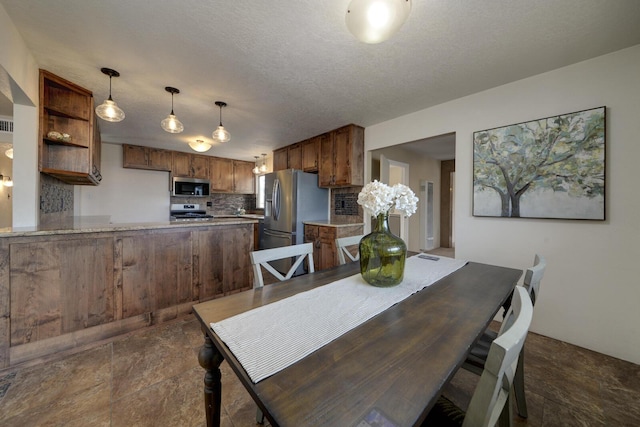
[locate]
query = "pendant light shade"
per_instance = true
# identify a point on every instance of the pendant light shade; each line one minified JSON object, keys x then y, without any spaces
{"x":221,"y":134}
{"x":199,"y":145}
{"x":109,"y":110}
{"x":374,"y":21}
{"x":171,"y":124}
{"x":9,"y":153}
{"x":256,"y":169}
{"x":263,"y":166}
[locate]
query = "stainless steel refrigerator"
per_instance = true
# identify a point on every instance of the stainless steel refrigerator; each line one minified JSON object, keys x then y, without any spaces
{"x":291,"y":197}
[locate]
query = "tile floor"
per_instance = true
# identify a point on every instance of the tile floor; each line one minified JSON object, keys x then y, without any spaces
{"x":121,"y":383}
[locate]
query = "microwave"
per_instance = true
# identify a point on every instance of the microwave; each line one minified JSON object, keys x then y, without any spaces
{"x":194,"y":187}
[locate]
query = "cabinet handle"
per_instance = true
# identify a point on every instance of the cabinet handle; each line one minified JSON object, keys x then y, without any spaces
{"x":318,"y":244}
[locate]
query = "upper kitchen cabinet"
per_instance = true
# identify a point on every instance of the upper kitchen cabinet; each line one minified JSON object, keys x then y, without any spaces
{"x":221,"y":175}
{"x":137,"y":157}
{"x":69,"y":143}
{"x":190,"y":165}
{"x":342,"y":157}
{"x":243,"y":177}
{"x":310,"y":154}
{"x":294,"y":156}
{"x":281,"y":159}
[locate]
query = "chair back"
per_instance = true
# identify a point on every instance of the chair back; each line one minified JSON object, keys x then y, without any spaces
{"x":490,"y":399}
{"x":261,"y":259}
{"x":343,"y":243}
{"x":533,"y":276}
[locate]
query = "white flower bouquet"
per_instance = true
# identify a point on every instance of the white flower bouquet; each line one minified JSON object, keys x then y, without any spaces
{"x":377,"y":198}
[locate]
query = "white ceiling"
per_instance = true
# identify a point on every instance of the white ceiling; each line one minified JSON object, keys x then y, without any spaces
{"x":290,"y":70}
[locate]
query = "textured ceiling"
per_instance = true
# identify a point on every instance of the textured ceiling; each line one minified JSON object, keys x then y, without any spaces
{"x":290,"y":70}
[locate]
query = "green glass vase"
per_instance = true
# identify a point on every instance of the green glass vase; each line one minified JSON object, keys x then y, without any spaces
{"x":382,"y":255}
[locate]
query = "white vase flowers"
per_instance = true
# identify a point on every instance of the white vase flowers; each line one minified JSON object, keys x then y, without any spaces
{"x":377,"y":198}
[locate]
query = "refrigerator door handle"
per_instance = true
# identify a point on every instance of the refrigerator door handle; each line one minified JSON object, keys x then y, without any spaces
{"x":276,"y":199}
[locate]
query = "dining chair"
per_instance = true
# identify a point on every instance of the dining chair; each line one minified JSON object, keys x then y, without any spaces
{"x":343,"y":244}
{"x":490,"y":403}
{"x":477,"y":357}
{"x":260,"y":259}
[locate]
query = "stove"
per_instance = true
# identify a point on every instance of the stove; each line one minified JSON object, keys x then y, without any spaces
{"x":188,"y":212}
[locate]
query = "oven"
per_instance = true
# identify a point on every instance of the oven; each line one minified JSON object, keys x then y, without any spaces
{"x":182,"y":212}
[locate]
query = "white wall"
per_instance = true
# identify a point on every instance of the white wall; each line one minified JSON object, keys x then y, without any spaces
{"x":591,"y":291}
{"x":124,"y":195}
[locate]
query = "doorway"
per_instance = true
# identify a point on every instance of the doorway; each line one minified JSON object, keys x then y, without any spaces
{"x":394,"y":172}
{"x":6,"y":161}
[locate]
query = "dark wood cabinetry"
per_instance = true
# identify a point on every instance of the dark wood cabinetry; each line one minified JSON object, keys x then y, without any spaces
{"x":190,"y":165}
{"x":311,"y":154}
{"x":342,"y":157}
{"x":66,"y":108}
{"x":325,"y":252}
{"x":137,"y":157}
{"x":243,"y":178}
{"x":221,"y":175}
{"x":294,"y":156}
{"x":281,"y":159}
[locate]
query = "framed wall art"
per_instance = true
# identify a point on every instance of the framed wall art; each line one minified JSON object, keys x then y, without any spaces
{"x":547,"y":168}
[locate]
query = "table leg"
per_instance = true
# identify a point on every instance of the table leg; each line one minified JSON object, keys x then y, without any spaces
{"x":210,"y":359}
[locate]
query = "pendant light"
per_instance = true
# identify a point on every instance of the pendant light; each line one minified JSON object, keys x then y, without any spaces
{"x":256,"y":169}
{"x":199,"y":145}
{"x":6,"y":181}
{"x":109,"y":110}
{"x":9,"y":153}
{"x":374,"y":21}
{"x":221,"y":134}
{"x":171,"y":124}
{"x":263,"y":167}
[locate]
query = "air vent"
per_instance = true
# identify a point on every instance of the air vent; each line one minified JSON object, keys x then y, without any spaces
{"x":6,"y":126}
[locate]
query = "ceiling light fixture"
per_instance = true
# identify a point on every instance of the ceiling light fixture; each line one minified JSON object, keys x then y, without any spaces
{"x":221,"y":134}
{"x":109,"y":110}
{"x":374,"y":21}
{"x":9,"y":153}
{"x":263,"y":167}
{"x":171,"y":124}
{"x":256,"y":169}
{"x":199,"y":145}
{"x":6,"y":181}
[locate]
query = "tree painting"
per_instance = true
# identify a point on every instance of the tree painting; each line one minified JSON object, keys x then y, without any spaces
{"x":547,"y":168}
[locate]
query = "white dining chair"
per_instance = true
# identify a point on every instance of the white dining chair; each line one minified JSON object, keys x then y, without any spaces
{"x":490,"y":402}
{"x":260,"y":259}
{"x":476,"y":360}
{"x":343,"y":244}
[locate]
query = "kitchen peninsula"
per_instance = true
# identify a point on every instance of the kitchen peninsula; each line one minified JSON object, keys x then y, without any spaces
{"x":68,"y":287}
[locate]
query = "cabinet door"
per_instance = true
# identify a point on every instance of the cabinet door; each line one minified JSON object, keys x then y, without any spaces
{"x":221,"y":174}
{"x":342,"y":156}
{"x":295,"y":156}
{"x":243,"y":177}
{"x":325,"y":171}
{"x":311,"y":235}
{"x":280,"y":159}
{"x":328,"y":253}
{"x":181,"y":164}
{"x":199,"y":166}
{"x":134,"y":156}
{"x":159,"y":160}
{"x":310,"y":150}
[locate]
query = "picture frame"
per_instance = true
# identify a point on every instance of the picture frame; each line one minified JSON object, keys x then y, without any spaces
{"x":552,"y":167}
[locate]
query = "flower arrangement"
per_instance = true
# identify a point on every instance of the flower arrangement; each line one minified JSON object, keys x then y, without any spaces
{"x":377,"y":198}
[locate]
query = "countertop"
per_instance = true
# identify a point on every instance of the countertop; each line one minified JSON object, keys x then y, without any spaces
{"x":333,"y":224}
{"x":79,"y":227}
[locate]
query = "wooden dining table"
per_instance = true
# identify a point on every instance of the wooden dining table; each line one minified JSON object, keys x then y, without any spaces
{"x":391,"y":368}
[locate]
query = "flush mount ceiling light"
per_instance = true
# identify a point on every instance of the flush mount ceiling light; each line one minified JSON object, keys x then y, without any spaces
{"x":9,"y":153}
{"x":256,"y":169}
{"x":374,"y":21}
{"x":199,"y":145}
{"x":109,"y":110}
{"x":171,"y":124}
{"x":263,"y":167}
{"x":221,"y":134}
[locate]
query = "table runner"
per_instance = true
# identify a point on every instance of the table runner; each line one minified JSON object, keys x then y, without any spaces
{"x":269,"y":338}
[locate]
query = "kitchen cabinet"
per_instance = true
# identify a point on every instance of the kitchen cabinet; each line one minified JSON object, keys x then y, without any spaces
{"x":294,"y":156}
{"x":190,"y":165}
{"x":243,"y":177}
{"x":137,"y":157}
{"x":325,"y":251}
{"x":67,"y":108}
{"x":281,"y":159}
{"x":221,"y":175}
{"x":310,"y":154}
{"x":342,"y":157}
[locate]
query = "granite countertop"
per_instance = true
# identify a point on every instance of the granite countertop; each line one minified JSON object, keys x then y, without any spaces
{"x":328,"y":223}
{"x":79,"y":227}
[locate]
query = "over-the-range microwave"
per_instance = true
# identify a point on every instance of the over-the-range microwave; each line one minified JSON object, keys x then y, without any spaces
{"x":194,"y":187}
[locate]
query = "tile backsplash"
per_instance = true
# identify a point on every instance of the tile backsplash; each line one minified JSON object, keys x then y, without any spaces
{"x":344,"y":206}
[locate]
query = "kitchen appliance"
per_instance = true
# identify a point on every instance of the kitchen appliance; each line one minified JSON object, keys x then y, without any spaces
{"x":291,"y":197}
{"x":188,"y":212}
{"x":193,"y":187}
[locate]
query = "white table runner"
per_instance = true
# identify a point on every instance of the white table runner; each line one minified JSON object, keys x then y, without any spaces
{"x":267,"y":339}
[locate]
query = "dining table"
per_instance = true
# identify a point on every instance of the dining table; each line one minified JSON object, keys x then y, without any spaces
{"x":388,"y":371}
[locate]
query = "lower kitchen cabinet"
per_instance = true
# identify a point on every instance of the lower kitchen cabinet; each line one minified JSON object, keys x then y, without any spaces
{"x":61,"y":291}
{"x":323,"y":237}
